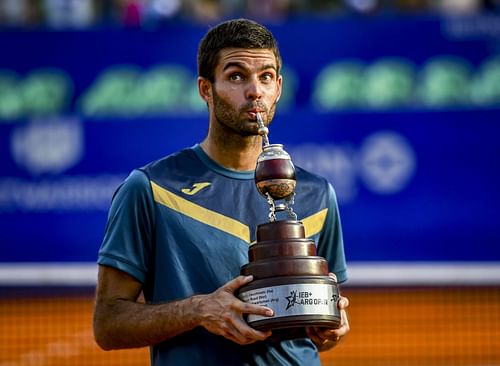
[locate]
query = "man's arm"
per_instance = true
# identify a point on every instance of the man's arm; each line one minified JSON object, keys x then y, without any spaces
{"x":122,"y":322}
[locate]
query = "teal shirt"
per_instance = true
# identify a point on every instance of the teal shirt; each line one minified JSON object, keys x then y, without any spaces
{"x":182,"y":225}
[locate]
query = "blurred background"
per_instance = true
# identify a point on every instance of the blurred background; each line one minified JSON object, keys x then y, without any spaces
{"x":396,"y":102}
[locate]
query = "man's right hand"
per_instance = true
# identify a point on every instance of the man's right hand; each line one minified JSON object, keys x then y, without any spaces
{"x":120,"y":321}
{"x":222,"y":313}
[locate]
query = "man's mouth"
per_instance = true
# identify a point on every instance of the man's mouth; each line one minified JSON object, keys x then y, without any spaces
{"x":253,"y":113}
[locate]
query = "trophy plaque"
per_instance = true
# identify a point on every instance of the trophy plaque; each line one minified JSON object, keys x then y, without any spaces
{"x":288,"y":275}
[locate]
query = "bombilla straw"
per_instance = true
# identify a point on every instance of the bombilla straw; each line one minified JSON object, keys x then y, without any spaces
{"x":263,"y":130}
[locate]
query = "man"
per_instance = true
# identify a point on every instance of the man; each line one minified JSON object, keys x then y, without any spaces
{"x":179,"y":228}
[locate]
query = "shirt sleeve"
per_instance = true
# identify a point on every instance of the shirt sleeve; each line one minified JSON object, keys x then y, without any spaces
{"x":330,"y":242}
{"x":127,"y":243}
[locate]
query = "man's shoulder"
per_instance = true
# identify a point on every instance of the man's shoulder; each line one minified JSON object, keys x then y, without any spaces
{"x":313,"y":193}
{"x":311,"y":179}
{"x":175,"y":162}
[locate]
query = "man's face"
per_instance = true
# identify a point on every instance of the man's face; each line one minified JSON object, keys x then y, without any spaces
{"x":246,"y":82}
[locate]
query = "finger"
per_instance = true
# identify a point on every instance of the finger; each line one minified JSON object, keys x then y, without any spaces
{"x":327,"y":333}
{"x":344,"y":326}
{"x":312,"y":332}
{"x":343,"y":303}
{"x":250,"y":333}
{"x":333,"y":276}
{"x":236,"y":283}
{"x":324,"y":338}
{"x":236,"y":329}
{"x":345,"y":320}
{"x":247,"y":308}
{"x":234,"y":335}
{"x":338,"y":333}
{"x":233,"y":328}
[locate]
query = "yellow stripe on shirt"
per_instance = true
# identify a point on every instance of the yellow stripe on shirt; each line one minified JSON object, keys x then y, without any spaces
{"x":200,"y":213}
{"x":314,"y":223}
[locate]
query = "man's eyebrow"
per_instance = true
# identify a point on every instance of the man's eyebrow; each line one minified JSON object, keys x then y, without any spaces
{"x":240,"y":65}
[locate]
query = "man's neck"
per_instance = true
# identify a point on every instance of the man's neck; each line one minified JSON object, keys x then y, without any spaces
{"x":233,"y":152}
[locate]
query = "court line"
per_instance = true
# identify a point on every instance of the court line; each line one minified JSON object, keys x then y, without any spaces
{"x":360,"y":273}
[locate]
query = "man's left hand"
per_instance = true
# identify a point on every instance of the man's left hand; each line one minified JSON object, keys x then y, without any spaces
{"x":327,"y":338}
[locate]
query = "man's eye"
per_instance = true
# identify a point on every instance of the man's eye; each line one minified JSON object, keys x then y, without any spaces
{"x":267,"y":77}
{"x":235,"y":77}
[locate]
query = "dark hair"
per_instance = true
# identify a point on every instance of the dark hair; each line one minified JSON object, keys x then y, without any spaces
{"x":237,"y":33}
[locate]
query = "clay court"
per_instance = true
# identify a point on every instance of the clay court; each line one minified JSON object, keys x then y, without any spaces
{"x":389,"y":326}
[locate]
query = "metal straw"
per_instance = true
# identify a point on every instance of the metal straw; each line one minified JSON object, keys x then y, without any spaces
{"x":263,"y":130}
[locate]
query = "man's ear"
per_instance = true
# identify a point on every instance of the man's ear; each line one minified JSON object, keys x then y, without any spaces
{"x":205,"y":89}
{"x":280,"y":87}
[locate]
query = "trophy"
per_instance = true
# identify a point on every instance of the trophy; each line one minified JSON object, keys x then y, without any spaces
{"x":288,"y":275}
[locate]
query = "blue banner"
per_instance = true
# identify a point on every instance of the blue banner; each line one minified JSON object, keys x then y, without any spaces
{"x":402,"y":116}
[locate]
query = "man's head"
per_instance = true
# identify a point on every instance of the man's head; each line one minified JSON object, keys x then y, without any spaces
{"x":239,"y":76}
{"x":240,"y":33}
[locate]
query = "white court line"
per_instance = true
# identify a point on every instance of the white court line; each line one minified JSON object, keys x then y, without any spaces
{"x":360,"y":274}
{"x":423,"y":273}
{"x":48,"y":274}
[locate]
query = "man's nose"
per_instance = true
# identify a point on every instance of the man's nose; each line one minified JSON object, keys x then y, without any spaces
{"x":254,"y":89}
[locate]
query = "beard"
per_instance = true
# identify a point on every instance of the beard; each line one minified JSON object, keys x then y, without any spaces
{"x":237,"y":120}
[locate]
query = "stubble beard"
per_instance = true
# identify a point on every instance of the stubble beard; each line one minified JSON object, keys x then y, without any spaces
{"x":235,"y":120}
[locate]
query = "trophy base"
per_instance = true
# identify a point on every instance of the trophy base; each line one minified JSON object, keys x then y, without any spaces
{"x":297,"y":302}
{"x":299,"y":321}
{"x":295,"y":329}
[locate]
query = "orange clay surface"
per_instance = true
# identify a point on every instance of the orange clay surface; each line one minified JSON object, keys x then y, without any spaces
{"x":389,"y":326}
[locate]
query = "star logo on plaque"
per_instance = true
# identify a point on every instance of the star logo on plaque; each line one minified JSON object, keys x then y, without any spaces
{"x":292,"y":299}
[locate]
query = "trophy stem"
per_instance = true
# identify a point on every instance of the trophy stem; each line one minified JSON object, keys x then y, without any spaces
{"x":272,"y":208}
{"x":287,"y":206}
{"x":263,"y":130}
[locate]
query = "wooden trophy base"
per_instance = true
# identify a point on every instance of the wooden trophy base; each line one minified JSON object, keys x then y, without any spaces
{"x":290,"y":279}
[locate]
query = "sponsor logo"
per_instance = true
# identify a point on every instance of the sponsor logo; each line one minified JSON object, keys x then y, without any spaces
{"x":387,"y":162}
{"x":46,"y":148}
{"x":195,"y":188}
{"x":47,"y":145}
{"x":305,"y":298}
{"x":384,"y":163}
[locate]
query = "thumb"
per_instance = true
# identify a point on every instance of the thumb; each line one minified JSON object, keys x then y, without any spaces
{"x":333,"y":276}
{"x":236,"y":283}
